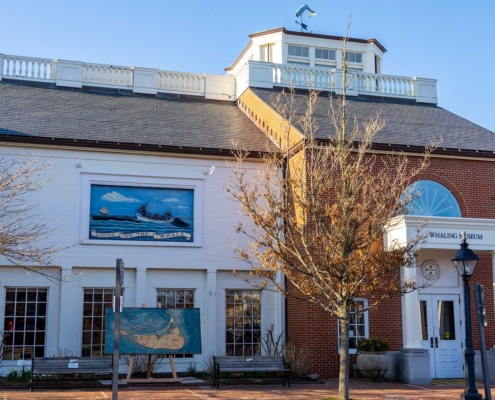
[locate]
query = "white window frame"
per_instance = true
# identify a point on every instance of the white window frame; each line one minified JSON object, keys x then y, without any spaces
{"x":356,"y":53}
{"x":366,"y":325}
{"x":164,"y":305}
{"x":89,"y":179}
{"x":326,"y":59}
{"x":103,"y":324}
{"x":297,"y":57}
{"x":34,"y":331}
{"x":260,"y":317}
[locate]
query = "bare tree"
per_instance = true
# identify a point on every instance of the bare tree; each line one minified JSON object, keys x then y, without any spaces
{"x":321,"y":208}
{"x":22,"y":231}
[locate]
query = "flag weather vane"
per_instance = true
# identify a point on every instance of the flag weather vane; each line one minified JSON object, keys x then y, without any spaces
{"x":300,"y":12}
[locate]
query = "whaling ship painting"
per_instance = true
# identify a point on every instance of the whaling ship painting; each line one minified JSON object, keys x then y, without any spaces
{"x":141,"y":213}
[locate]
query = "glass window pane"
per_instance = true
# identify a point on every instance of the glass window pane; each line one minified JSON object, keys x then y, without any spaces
{"x":423,"y":320}
{"x":246,"y":341}
{"x":10,"y":295}
{"x":42,"y":295}
{"x":429,"y":198}
{"x":359,"y":58}
{"x":21,"y":295}
{"x":176,"y":298}
{"x":446,"y":320}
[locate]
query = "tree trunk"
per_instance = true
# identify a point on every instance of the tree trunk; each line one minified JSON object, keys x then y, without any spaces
{"x":344,"y":355}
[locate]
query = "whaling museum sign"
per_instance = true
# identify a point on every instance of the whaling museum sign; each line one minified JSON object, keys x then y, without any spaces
{"x":450,"y":235}
{"x":444,"y":233}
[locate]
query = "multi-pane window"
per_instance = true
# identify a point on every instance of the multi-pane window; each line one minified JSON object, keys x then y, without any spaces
{"x":175,"y":298}
{"x":358,"y":325}
{"x":243,"y":322}
{"x":325,"y":54}
{"x":96,"y":302}
{"x":298,"y":51}
{"x":25,"y":323}
{"x":351,"y":56}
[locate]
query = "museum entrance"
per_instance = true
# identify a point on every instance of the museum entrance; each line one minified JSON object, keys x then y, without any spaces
{"x":440,"y":332}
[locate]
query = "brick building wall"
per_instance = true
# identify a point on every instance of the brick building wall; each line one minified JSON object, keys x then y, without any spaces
{"x":472,"y":182}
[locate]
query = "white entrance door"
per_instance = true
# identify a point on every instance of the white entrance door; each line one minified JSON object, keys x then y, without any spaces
{"x":440,"y":331}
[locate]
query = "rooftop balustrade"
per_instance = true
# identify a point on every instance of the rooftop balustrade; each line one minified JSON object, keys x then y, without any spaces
{"x":219,"y":87}
{"x":269,"y":75}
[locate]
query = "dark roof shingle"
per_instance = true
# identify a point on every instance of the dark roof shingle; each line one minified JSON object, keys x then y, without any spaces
{"x":77,"y":114}
{"x":406,"y":123}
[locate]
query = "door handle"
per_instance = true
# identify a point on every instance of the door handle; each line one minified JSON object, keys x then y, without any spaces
{"x":436,"y":342}
{"x":431,"y":342}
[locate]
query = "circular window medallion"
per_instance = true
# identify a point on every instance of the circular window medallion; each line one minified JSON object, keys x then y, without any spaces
{"x":431,"y":270}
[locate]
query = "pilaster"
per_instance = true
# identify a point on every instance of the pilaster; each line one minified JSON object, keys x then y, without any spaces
{"x":69,"y":329}
{"x":211,"y":312}
{"x":141,"y":286}
{"x":410,"y":312}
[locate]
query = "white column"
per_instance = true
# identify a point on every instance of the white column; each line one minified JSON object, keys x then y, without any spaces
{"x":338,"y":56}
{"x":141,"y":287}
{"x":67,"y":332}
{"x":410,"y":312}
{"x":311,"y":56}
{"x":211,"y":313}
{"x":280,"y":308}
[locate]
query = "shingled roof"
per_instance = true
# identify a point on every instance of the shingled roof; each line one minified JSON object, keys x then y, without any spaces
{"x":408,"y":124}
{"x":43,"y":112}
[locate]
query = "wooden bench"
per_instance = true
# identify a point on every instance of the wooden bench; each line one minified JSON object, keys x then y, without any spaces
{"x":43,"y":366}
{"x":250,"y":364}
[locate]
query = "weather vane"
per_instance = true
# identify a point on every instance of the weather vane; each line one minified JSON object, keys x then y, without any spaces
{"x":300,"y":12}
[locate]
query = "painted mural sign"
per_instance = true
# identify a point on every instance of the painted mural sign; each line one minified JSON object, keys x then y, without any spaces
{"x":141,"y":214}
{"x":156,"y":331}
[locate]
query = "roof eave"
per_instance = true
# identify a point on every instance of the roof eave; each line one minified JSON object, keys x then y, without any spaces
{"x":99,"y":144}
{"x":421,"y":149}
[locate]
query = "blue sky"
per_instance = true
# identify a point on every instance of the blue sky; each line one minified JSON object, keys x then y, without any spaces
{"x":451,"y":41}
{"x":122,"y":200}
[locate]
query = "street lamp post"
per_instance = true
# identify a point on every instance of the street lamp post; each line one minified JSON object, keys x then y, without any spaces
{"x":465,"y":262}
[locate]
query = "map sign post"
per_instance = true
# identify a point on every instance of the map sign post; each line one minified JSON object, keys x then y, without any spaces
{"x":119,"y":282}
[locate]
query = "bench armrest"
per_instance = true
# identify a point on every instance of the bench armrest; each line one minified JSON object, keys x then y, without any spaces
{"x":287,"y":365}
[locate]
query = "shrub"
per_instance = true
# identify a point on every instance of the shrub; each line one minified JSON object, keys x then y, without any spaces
{"x":192,"y":369}
{"x":298,"y":357}
{"x":209,"y":365}
{"x":19,"y":376}
{"x":140,"y":366}
{"x":373,"y":344}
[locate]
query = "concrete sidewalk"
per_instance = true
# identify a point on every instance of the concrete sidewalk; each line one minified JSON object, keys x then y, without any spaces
{"x":359,"y":390}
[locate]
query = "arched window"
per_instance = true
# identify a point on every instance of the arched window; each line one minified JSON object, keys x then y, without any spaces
{"x":434,"y":200}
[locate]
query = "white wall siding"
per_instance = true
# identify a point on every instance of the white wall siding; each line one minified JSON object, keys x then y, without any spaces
{"x":205,"y":267}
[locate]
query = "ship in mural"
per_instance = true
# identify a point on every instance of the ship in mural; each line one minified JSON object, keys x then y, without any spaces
{"x":142,"y":215}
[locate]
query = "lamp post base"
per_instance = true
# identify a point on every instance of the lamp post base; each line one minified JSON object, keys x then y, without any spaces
{"x":471,"y":396}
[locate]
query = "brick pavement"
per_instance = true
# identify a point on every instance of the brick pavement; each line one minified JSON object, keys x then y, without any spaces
{"x":359,"y":390}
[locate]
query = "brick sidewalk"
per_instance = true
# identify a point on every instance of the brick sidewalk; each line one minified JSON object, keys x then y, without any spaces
{"x":359,"y":390}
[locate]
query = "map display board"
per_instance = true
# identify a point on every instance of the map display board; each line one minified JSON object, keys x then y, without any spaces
{"x":155,"y":331}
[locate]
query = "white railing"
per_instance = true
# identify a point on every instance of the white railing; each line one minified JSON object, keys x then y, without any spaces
{"x":28,"y":67}
{"x":77,"y":74}
{"x":387,"y":85}
{"x":183,"y":82}
{"x":331,"y":79}
{"x":100,"y":74}
{"x":302,"y":77}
